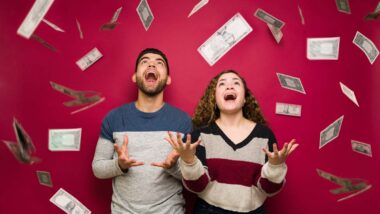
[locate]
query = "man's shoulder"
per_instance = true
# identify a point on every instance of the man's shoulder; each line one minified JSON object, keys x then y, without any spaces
{"x":176,"y":111}
{"x":116,"y":112}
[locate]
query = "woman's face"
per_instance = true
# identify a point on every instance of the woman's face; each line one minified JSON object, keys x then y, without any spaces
{"x":229,"y":93}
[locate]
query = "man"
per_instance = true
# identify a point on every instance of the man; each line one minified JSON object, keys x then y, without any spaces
{"x":132,"y":149}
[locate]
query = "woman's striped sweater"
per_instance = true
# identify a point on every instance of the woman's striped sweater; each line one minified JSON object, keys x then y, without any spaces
{"x":231,"y":176}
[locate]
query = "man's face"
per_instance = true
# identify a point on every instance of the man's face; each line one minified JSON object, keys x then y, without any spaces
{"x":151,"y":75}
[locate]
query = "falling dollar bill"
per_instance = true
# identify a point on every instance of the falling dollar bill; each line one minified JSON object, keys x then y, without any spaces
{"x":112,"y":24}
{"x":349,"y":93}
{"x":367,"y":46}
{"x":79,"y":29}
{"x":323,"y":48}
{"x":89,"y":59}
{"x":55,"y":27}
{"x":377,"y":9}
{"x":276,"y":32}
{"x":44,"y":178}
{"x":266,"y":17}
{"x":34,"y":17}
{"x":301,"y":15}
{"x":116,"y":15}
{"x":224,"y":39}
{"x":373,"y":15}
{"x":24,"y":148}
{"x":68,"y":203}
{"x":355,"y":186}
{"x":89,"y":98}
{"x":330,"y":132}
{"x":362,"y":148}
{"x":43,"y":42}
{"x":343,"y":6}
{"x":145,"y":14}
{"x":197,"y":7}
{"x":64,"y":139}
{"x":290,"y":82}
{"x":288,"y":109}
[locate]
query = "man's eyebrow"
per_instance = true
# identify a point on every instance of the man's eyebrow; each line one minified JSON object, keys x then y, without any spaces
{"x":160,"y":59}
{"x":144,"y":57}
{"x":157,"y":59}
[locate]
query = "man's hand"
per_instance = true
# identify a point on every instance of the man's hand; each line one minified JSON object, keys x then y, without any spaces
{"x":123,"y":158}
{"x":169,"y":162}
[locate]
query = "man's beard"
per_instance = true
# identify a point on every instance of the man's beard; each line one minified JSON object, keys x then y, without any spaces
{"x":151,"y":92}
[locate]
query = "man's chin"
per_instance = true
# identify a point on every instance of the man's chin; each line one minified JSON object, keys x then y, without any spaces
{"x":151,"y":92}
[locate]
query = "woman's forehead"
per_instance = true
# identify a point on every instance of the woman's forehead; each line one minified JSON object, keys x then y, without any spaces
{"x":229,"y":76}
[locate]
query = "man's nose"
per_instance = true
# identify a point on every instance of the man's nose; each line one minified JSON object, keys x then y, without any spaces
{"x":152,"y":64}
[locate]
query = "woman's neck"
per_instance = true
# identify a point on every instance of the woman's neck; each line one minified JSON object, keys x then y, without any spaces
{"x":231,"y":120}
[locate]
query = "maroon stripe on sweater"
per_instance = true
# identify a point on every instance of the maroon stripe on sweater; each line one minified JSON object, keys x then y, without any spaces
{"x":269,"y":186}
{"x":197,"y":185}
{"x":234,"y":172}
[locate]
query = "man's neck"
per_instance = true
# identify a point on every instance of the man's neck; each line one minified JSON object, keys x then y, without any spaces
{"x":148,"y":104}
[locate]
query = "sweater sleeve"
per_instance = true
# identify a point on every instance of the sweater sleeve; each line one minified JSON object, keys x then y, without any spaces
{"x":104,"y":165}
{"x":175,"y":171}
{"x":272,"y":177}
{"x":195,"y":176}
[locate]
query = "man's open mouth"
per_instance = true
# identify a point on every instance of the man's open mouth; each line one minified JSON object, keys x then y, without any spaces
{"x":150,"y":76}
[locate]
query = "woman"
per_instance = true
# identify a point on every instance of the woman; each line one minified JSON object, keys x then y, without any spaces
{"x":235,"y":164}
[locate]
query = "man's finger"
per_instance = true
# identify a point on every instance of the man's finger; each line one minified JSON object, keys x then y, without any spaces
{"x":117,"y":149}
{"x":125,"y":143}
{"x":135,"y":163}
{"x":124,"y":147}
{"x":158,"y":164}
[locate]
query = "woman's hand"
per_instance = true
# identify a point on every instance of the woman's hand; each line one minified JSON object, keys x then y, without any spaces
{"x":278,"y":157}
{"x":185,"y":150}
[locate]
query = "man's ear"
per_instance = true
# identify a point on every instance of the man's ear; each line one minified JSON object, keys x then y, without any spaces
{"x":134,"y":77}
{"x":169,"y":81}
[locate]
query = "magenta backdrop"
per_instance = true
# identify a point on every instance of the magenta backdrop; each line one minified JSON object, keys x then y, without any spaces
{"x":27,"y":67}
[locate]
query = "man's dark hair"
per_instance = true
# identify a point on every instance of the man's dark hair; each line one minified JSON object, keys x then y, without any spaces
{"x":153,"y":51}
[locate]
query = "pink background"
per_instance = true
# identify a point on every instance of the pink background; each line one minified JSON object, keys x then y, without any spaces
{"x":27,"y":67}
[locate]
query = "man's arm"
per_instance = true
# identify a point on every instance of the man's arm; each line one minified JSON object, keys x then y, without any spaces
{"x":104,"y":165}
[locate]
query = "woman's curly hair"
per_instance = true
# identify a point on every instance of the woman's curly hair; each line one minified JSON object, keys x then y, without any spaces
{"x":207,"y":111}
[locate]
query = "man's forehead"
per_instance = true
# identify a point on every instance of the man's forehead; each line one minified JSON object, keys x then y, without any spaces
{"x":152,"y":56}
